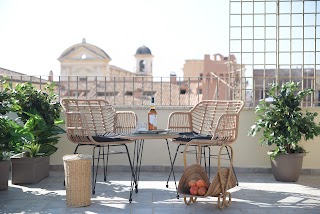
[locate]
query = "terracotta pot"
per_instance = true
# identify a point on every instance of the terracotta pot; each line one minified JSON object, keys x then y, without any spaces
{"x":26,"y":170}
{"x":4,"y":174}
{"x":287,"y":167}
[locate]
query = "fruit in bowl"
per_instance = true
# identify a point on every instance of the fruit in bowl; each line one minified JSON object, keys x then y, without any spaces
{"x":200,"y":183}
{"x":194,"y":190}
{"x":192,"y":183}
{"x":202,"y":191}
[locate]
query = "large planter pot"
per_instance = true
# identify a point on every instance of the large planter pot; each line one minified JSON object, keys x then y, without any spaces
{"x":4,"y":174}
{"x":26,"y":170}
{"x":287,"y":167}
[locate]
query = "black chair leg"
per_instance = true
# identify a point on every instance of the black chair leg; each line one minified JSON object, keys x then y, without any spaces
{"x":76,"y":149}
{"x":105,"y":163}
{"x":204,"y":158}
{"x":209,"y":161}
{"x":93,"y":163}
{"x":95,"y":173}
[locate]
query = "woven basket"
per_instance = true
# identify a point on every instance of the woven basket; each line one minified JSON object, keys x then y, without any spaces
{"x":78,"y":179}
{"x":193,"y":172}
{"x":215,"y":187}
{"x":221,"y":183}
{"x":196,"y":172}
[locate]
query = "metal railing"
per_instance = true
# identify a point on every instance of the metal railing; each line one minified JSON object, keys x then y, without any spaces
{"x":168,"y":91}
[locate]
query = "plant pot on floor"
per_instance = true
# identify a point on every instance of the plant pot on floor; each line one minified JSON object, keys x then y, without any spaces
{"x":4,"y":174}
{"x":27,"y":170}
{"x":287,"y":167}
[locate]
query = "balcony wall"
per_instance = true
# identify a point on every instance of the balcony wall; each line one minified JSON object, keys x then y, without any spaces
{"x":247,"y":152}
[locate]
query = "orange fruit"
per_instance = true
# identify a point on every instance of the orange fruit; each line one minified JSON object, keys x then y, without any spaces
{"x":191,"y":183}
{"x":202,"y":191}
{"x":194,"y":190}
{"x":201,"y":183}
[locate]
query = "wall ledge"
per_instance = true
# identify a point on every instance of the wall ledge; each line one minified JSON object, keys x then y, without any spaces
{"x":179,"y":169}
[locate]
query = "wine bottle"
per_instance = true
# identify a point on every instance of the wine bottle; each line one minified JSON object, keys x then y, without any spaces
{"x":152,"y":116}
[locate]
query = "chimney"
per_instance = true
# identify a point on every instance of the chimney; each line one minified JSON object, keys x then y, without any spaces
{"x":173,"y":78}
{"x":206,"y":57}
{"x":138,"y":93}
{"x":50,"y":76}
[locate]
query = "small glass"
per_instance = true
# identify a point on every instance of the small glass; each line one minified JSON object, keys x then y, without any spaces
{"x":142,"y":126}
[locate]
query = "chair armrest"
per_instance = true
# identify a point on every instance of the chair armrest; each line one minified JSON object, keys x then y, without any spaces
{"x":125,"y":121}
{"x":77,"y":128}
{"x":227,"y":128}
{"x":226,"y":131}
{"x":180,"y":121}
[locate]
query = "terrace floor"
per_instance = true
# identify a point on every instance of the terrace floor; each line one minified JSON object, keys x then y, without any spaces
{"x":257,"y":193}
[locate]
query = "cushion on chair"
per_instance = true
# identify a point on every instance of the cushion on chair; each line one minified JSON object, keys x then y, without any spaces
{"x":108,"y":137}
{"x":188,"y":136}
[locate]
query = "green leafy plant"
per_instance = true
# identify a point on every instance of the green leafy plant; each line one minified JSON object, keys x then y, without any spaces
{"x":39,"y":113}
{"x":12,"y":137}
{"x":282,"y":122}
{"x":43,"y":137}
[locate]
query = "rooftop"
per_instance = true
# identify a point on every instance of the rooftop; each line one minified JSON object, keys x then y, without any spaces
{"x":257,"y":193}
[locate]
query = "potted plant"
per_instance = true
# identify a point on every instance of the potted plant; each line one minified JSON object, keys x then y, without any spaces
{"x":39,"y":115}
{"x":10,"y":143}
{"x":284,"y":124}
{"x":4,"y":169}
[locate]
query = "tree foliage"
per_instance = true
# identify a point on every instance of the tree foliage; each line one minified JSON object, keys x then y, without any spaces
{"x":282,"y":121}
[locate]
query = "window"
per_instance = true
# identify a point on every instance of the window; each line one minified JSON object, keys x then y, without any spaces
{"x":183,"y":91}
{"x":129,"y":93}
{"x":149,"y":93}
{"x":142,"y":66}
{"x":107,"y":93}
{"x":77,"y":93}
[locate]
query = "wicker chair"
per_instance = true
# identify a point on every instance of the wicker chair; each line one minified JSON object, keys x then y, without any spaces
{"x":209,"y":123}
{"x":96,"y":123}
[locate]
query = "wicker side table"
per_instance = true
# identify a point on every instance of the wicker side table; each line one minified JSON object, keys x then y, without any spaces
{"x":77,"y":169}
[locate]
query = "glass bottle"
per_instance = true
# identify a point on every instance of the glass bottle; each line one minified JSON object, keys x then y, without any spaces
{"x":152,"y":116}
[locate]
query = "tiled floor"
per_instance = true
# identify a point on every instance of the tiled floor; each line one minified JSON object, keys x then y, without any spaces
{"x":257,"y":193}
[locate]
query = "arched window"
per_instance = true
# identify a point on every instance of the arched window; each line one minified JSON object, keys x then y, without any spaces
{"x":142,"y":65}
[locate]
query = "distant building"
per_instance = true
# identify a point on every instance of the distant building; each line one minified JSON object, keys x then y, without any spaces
{"x":86,"y":73}
{"x":144,"y":62}
{"x":87,"y":61}
{"x":262,"y":78}
{"x":16,"y":77}
{"x":219,"y":76}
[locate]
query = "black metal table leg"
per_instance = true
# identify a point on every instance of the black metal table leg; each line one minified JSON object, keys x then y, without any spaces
{"x":136,"y":165}
{"x":172,"y":164}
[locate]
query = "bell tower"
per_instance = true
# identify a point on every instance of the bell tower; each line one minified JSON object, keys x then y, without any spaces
{"x":143,"y":61}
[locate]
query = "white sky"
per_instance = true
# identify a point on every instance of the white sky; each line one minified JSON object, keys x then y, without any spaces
{"x":34,"y":33}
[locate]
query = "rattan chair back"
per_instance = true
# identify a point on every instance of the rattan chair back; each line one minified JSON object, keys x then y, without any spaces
{"x":89,"y":117}
{"x":218,"y":118}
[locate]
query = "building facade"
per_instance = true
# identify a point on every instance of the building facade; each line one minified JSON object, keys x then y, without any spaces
{"x":219,"y":76}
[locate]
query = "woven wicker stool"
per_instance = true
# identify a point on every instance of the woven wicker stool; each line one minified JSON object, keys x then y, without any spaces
{"x":77,"y":169}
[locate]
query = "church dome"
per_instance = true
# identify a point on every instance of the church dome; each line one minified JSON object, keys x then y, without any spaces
{"x":143,"y":50}
{"x":98,"y":51}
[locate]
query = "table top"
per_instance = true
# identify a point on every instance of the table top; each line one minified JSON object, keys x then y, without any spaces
{"x":144,"y":136}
